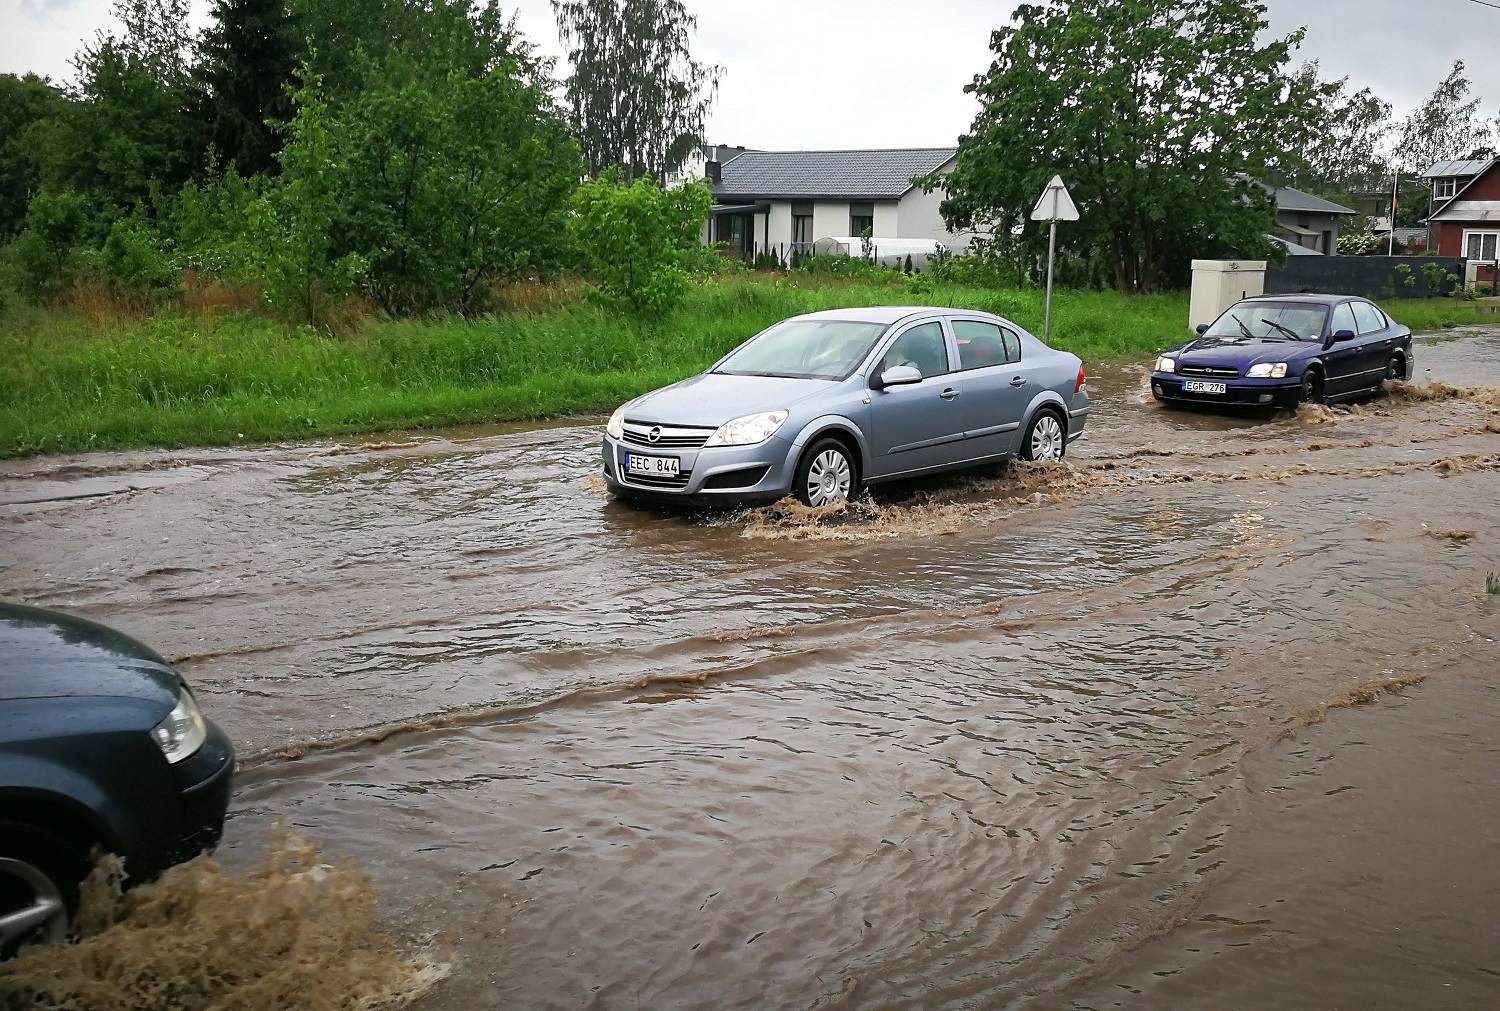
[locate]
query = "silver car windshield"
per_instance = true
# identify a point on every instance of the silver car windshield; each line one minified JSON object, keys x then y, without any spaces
{"x":1273,"y":320}
{"x":805,"y":349}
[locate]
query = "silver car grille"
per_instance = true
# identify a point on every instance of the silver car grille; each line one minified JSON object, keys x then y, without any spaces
{"x":1208,"y":371}
{"x":638,"y":434}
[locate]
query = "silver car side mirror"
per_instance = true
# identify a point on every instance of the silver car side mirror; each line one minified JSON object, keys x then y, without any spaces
{"x":899,"y":375}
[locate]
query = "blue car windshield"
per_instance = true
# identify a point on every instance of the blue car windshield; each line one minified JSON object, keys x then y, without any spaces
{"x":1272,"y":320}
{"x":805,"y":349}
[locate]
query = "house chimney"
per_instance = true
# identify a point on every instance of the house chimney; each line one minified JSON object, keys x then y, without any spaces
{"x":714,"y":171}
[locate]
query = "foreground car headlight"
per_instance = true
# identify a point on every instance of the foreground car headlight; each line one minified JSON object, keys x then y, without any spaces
{"x":616,"y":425}
{"x":749,"y":430}
{"x":183,"y":732}
{"x":1266,"y":370}
{"x":1165,"y":364}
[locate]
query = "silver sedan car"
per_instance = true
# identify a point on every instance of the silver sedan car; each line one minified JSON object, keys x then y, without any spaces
{"x":821,"y":405}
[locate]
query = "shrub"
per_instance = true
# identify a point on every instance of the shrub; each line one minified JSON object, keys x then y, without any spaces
{"x":634,"y":237}
{"x":46,"y":253}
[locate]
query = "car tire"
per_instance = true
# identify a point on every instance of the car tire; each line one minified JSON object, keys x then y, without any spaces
{"x":1312,"y":388}
{"x":1046,"y":438}
{"x":827,"y":473}
{"x":40,"y":871}
{"x":1395,"y":369}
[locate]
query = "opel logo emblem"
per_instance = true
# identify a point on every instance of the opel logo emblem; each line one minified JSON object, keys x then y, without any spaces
{"x":655,"y":434}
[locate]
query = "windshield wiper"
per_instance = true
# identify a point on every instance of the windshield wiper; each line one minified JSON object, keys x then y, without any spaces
{"x":1243,"y":328}
{"x":1294,"y":335}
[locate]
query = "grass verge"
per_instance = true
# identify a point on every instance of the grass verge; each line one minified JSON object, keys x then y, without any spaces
{"x":181,"y":379}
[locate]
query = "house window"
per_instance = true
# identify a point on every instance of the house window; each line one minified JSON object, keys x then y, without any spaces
{"x":861,"y":219}
{"x":802,"y":222}
{"x":1482,"y":245}
{"x":1444,"y":188}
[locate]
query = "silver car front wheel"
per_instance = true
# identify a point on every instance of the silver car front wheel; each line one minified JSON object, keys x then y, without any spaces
{"x":827,"y":475}
{"x":1045,"y":440}
{"x":34,"y":912}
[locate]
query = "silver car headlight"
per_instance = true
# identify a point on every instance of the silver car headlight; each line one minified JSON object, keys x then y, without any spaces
{"x":616,"y":425}
{"x":1165,"y":364}
{"x":1267,"y":370}
{"x":749,"y":430}
{"x":183,"y":732}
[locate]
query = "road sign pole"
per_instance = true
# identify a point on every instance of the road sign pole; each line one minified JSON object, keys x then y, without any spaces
{"x":1051,"y":261}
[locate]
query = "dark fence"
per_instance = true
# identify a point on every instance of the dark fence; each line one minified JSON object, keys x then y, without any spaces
{"x":1374,"y":277}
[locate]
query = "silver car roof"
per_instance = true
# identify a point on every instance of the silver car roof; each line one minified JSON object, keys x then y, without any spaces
{"x":884,"y":313}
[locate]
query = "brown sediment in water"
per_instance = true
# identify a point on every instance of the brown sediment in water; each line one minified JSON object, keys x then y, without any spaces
{"x":295,"y":931}
{"x":1357,"y":696}
{"x":366,"y":447}
{"x":1457,"y":537}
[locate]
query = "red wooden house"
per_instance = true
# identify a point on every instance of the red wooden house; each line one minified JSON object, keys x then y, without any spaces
{"x":1465,"y":215}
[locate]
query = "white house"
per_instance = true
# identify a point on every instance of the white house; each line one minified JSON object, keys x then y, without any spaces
{"x":780,"y":201}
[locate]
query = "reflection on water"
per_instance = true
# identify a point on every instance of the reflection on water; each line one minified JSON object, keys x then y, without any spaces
{"x":982,"y":741}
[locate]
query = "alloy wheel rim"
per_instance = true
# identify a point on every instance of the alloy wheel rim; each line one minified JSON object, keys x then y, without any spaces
{"x":44,"y":920}
{"x":1046,"y":439}
{"x":829,"y":478}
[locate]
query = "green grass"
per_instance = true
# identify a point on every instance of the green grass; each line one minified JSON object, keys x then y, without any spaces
{"x":174,"y":380}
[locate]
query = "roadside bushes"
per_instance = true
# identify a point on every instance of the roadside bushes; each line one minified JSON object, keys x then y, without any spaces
{"x":633,"y":238}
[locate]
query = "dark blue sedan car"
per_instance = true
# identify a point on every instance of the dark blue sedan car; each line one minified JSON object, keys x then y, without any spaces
{"x":101,"y":746}
{"x":1279,"y":351}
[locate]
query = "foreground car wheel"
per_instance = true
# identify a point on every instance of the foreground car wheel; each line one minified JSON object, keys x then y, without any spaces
{"x":39,"y":877}
{"x":827,"y":474}
{"x":1395,"y":368}
{"x":1312,"y":389}
{"x":1045,"y":439}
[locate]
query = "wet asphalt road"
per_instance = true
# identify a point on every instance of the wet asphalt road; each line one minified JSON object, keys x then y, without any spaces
{"x":1051,"y":737}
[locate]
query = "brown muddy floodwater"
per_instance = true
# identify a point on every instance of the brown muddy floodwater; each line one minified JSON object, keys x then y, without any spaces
{"x":1206,"y":718}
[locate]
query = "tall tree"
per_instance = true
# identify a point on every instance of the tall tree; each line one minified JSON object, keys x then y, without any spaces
{"x":246,"y":59}
{"x":24,"y":101}
{"x":1159,"y":114}
{"x":638,"y":100}
{"x":1348,"y":152}
{"x":1447,"y":126}
{"x":127,"y":133}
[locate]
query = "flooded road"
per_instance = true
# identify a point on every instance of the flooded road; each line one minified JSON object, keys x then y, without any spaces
{"x":1072,"y":737}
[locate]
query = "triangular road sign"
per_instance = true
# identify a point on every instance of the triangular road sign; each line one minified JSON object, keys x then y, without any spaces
{"x":1055,"y":204}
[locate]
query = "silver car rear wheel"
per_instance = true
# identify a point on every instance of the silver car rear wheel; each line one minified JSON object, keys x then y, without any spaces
{"x":1045,"y":440}
{"x":827,"y":475}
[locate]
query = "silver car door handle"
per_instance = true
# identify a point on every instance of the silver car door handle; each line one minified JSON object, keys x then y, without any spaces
{"x":1018,"y":381}
{"x":948,"y":394}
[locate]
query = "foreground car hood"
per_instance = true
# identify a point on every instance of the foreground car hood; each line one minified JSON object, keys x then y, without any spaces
{"x":46,"y":654}
{"x":708,"y":400}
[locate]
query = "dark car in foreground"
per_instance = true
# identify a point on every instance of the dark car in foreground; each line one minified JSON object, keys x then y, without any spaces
{"x":101,"y":746}
{"x":820,"y":405}
{"x":1280,"y":351}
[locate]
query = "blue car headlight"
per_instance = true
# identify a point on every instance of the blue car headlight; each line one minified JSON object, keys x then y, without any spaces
{"x":1267,"y":370}
{"x":183,"y":732}
{"x":1165,"y":364}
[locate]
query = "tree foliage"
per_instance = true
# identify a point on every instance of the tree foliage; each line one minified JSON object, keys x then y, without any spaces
{"x":1446,"y":126}
{"x":637,"y":98}
{"x":246,"y":62}
{"x":634,"y":236}
{"x":1159,"y":114}
{"x":24,"y":102}
{"x":1347,"y":152}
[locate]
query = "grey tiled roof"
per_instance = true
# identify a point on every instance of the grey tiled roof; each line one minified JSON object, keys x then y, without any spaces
{"x":835,"y":175}
{"x":1288,"y":199}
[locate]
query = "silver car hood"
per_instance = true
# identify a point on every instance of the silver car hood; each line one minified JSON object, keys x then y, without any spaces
{"x":709,"y":399}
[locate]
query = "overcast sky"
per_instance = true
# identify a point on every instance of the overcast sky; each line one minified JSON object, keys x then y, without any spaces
{"x":890,"y":73}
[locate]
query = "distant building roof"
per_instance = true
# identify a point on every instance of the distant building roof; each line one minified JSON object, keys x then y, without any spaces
{"x":1288,"y":199}
{"x":1450,"y":169}
{"x":1292,"y":249}
{"x":839,"y":175}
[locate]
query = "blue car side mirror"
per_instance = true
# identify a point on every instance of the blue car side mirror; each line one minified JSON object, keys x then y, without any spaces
{"x":1344,"y":335}
{"x":1202,"y":329}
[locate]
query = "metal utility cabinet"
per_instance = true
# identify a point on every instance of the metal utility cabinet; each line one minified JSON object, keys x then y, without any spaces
{"x":1218,"y":284}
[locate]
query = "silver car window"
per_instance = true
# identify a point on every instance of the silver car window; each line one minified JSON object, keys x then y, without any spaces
{"x":981,"y":345}
{"x":922,"y":347}
{"x":805,"y":349}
